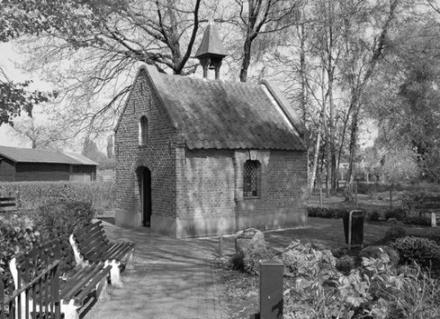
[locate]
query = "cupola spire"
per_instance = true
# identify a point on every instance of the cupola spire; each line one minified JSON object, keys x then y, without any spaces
{"x":211,"y":51}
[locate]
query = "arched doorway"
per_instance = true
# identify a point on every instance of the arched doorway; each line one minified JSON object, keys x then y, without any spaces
{"x":145,"y":192}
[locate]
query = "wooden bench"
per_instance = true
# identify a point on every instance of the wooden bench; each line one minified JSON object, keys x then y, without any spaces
{"x":79,"y":288}
{"x":36,"y":299}
{"x":8,"y":204}
{"x":91,"y":245}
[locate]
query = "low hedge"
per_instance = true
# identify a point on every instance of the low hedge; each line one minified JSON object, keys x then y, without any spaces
{"x":326,"y":212}
{"x":31,"y":195}
{"x":329,"y":212}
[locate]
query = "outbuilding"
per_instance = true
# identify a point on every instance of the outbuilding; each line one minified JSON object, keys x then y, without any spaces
{"x":23,"y":164}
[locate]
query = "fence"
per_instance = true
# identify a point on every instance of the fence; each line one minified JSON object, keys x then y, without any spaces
{"x":37,"y":299}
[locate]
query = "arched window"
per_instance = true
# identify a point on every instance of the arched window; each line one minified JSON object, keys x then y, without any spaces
{"x":143,"y":131}
{"x":251,"y":178}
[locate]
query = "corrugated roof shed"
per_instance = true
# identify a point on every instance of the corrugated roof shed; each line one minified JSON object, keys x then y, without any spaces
{"x":27,"y":155}
{"x":225,"y":115}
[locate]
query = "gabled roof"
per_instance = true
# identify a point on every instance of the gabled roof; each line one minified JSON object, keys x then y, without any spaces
{"x":225,"y":115}
{"x":81,"y":158}
{"x":28,"y":155}
{"x":211,"y":43}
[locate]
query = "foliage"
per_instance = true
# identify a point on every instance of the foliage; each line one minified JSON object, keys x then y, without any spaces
{"x":326,"y":212}
{"x":375,"y":290}
{"x":345,"y":264}
{"x":423,"y":251}
{"x":302,"y":260}
{"x":17,"y":235}
{"x":417,"y":220}
{"x":393,"y":233}
{"x":373,"y":216}
{"x":397,"y":213}
{"x":60,"y":219}
{"x":15,"y":98}
{"x":32,"y":195}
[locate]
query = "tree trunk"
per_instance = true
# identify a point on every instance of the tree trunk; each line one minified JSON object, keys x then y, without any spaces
{"x":246,"y":59}
{"x":315,"y":161}
{"x":353,"y":137}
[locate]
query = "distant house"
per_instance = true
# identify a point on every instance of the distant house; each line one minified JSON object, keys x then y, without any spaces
{"x":23,"y":164}
{"x":198,"y":157}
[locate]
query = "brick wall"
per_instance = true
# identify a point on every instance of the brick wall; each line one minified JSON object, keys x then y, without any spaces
{"x":210,"y":191}
{"x":283,"y":188}
{"x":205,"y":192}
{"x":158,"y":155}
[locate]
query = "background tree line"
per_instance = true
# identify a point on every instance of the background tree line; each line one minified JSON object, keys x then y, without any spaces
{"x":342,"y":63}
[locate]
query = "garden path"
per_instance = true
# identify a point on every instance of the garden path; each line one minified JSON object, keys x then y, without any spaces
{"x":171,"y":279}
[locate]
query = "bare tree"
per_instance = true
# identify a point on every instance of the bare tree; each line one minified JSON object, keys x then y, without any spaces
{"x":361,"y":61}
{"x":102,"y":42}
{"x":259,"y":17}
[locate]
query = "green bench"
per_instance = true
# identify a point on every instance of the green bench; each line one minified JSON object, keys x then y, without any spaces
{"x":79,"y":288}
{"x":8,"y":204}
{"x":91,"y":245}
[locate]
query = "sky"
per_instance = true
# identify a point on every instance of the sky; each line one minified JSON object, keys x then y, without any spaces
{"x":10,"y":58}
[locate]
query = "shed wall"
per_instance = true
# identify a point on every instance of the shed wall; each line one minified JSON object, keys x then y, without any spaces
{"x":42,"y":172}
{"x":7,"y":170}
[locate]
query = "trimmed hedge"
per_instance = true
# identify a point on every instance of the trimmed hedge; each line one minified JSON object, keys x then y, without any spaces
{"x":326,"y":212}
{"x":32,"y":195}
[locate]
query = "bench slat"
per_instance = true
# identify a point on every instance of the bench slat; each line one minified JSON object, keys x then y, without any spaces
{"x":94,"y":245}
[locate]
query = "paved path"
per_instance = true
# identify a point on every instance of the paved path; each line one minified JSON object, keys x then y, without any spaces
{"x":171,"y":279}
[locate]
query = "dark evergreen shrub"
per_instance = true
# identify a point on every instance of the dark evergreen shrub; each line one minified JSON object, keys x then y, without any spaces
{"x":393,"y":233}
{"x":423,"y":251}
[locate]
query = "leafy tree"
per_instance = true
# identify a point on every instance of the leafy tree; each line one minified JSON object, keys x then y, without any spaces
{"x":19,"y":18}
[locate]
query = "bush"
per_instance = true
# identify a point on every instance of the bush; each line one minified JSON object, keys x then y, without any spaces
{"x":60,"y":219}
{"x":32,"y":195}
{"x":345,"y":264}
{"x":397,"y":213}
{"x":373,"y":216}
{"x":326,"y":212}
{"x":237,"y":261}
{"x":423,"y":251}
{"x":417,"y":220}
{"x":17,"y":235}
{"x":393,"y":233}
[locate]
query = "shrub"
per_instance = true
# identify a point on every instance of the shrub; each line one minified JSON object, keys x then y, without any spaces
{"x":393,"y":233}
{"x":61,"y":218}
{"x":345,"y":264}
{"x":326,"y":212}
{"x":237,"y":261}
{"x":423,"y":251}
{"x":397,"y":213}
{"x":17,"y":235}
{"x":373,"y":216}
{"x":417,"y":220}
{"x":32,"y":195}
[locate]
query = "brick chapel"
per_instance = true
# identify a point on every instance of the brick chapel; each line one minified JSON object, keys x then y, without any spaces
{"x":199,"y":157}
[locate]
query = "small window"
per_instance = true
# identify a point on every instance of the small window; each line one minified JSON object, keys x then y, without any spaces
{"x":143,"y":131}
{"x":251,"y":179}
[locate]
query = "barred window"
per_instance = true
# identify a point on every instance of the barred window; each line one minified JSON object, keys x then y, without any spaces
{"x":143,"y":131}
{"x":251,"y":178}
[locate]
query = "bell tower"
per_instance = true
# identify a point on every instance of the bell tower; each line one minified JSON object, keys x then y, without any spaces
{"x":211,"y":51}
